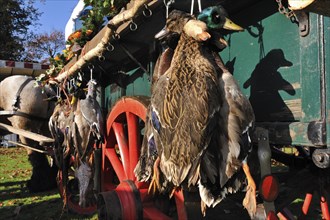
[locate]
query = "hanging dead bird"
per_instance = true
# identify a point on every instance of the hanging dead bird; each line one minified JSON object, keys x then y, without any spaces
{"x":232,"y":146}
{"x":185,"y":108}
{"x":240,"y":118}
{"x":92,"y":114}
{"x":87,"y":130}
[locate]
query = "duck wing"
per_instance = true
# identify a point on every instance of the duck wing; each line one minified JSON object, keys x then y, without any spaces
{"x":149,"y":152}
{"x":91,"y":111}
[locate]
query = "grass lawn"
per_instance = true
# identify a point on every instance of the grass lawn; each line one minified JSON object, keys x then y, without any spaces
{"x":16,"y":202}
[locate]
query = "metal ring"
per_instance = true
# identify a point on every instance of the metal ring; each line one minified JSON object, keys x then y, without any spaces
{"x":133,"y":26}
{"x":101,"y":58}
{"x":90,"y":66}
{"x":116,"y":36}
{"x":110,"y":47}
{"x":147,"y":12}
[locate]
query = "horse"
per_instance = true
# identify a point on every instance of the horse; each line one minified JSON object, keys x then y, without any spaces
{"x":24,"y":105}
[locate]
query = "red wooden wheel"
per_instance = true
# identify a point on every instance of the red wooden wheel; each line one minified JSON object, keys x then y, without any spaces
{"x":121,"y":150}
{"x":123,"y":196}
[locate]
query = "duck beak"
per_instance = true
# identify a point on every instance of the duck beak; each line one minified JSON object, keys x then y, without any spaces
{"x":161,"y":34}
{"x":230,"y":25}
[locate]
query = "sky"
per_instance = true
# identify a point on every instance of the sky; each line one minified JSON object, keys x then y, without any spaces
{"x":56,"y":14}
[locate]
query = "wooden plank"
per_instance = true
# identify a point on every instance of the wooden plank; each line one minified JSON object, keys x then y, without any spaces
{"x":28,"y":147}
{"x":27,"y":134}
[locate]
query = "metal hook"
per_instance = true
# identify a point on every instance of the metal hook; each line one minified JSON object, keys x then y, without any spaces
{"x":91,"y":67}
{"x":110,"y":47}
{"x":58,"y":91}
{"x":167,"y":5}
{"x":68,"y":85}
{"x":193,"y":5}
{"x":147,"y":12}
{"x":72,"y":83}
{"x":79,"y":76}
{"x":133,"y":26}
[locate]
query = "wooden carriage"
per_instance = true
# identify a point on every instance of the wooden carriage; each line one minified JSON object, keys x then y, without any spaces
{"x":281,"y":61}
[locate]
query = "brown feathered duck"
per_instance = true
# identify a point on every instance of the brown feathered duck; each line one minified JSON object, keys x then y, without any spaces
{"x":198,"y":121}
{"x":240,"y":118}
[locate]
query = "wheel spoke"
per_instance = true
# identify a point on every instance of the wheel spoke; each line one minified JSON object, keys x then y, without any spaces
{"x":116,"y":163}
{"x":134,"y":142}
{"x":118,"y":129}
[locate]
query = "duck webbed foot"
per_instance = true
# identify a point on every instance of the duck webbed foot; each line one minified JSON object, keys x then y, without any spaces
{"x":154,"y":184}
{"x":203,"y":208}
{"x":249,"y":201}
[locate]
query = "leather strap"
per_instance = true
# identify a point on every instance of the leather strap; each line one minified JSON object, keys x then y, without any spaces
{"x":23,"y":114}
{"x":18,"y":93}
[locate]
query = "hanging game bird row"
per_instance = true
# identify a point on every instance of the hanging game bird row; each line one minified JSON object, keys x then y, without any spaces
{"x":198,"y":122}
{"x":77,"y":128}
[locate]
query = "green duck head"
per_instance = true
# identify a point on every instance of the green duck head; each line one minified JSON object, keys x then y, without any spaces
{"x":216,"y":17}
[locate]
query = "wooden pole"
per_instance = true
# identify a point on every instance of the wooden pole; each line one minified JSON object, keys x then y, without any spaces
{"x":97,"y":51}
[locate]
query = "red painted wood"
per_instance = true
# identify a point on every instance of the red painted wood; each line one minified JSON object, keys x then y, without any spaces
{"x":116,"y":163}
{"x":272,"y":216}
{"x":122,"y":145}
{"x":129,"y":111}
{"x":134,"y":142}
{"x":306,"y":205}
{"x":269,"y":188}
{"x":282,"y":216}
{"x":325,"y":208}
{"x":127,"y":201}
{"x":179,"y":200}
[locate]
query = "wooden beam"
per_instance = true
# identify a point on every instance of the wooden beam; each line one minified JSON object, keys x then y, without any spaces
{"x":136,"y":6}
{"x":28,"y":147}
{"x":28,"y":134}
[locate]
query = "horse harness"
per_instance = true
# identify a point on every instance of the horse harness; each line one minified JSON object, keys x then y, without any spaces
{"x":15,"y":105}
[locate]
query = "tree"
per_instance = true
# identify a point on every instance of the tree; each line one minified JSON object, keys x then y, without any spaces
{"x":16,"y":16}
{"x":42,"y":47}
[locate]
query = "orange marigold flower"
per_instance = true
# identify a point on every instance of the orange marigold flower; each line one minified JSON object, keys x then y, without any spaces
{"x":75,"y":35}
{"x":88,"y":32}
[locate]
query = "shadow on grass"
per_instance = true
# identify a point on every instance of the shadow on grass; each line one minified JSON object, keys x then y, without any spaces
{"x":18,"y":203}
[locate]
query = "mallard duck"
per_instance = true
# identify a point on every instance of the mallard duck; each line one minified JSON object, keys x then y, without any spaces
{"x":236,"y":111}
{"x":184,"y":110}
{"x":240,"y":122}
{"x":240,"y":118}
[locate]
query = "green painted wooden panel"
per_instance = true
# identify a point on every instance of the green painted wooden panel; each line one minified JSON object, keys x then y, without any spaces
{"x":267,"y":66}
{"x":327,"y":73}
{"x":310,"y":71}
{"x":138,"y":87}
{"x":281,"y":72}
{"x":141,"y":86}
